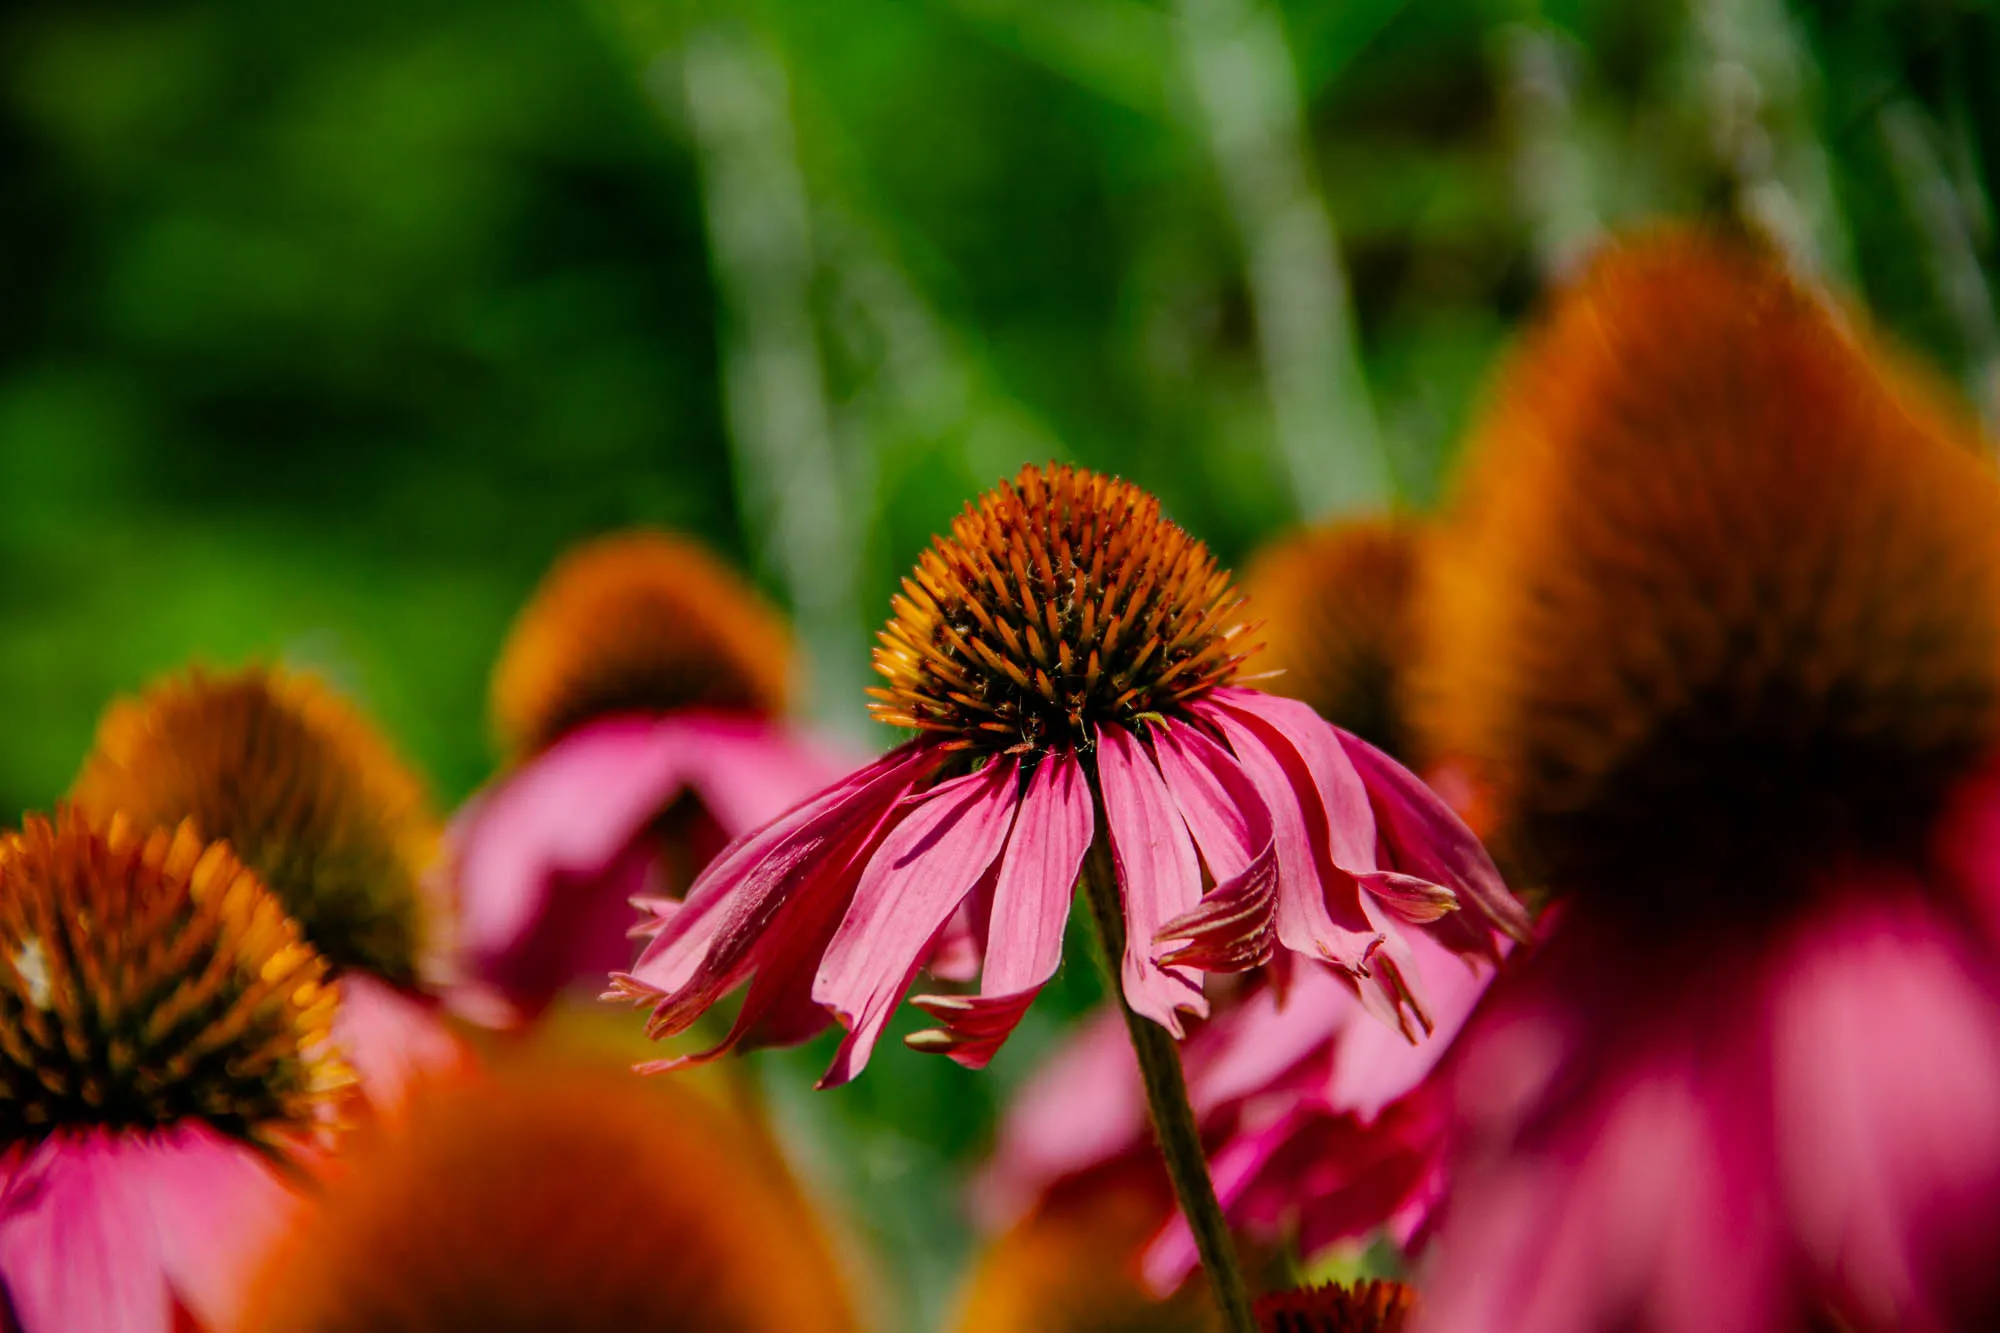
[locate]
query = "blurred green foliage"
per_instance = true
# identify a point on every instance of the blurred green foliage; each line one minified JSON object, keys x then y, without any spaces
{"x":327,"y":325}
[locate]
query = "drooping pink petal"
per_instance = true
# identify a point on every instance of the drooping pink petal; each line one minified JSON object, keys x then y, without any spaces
{"x":1312,"y":888}
{"x":1376,"y":1066}
{"x":1234,"y":927}
{"x":1431,"y":843}
{"x":1031,"y":902}
{"x":913,"y":883}
{"x":78,"y":1249}
{"x":1886,"y":1042}
{"x":392,"y":1038}
{"x":710,"y":945}
{"x":1249,"y":1049}
{"x":1158,"y":876}
{"x":216,"y":1207}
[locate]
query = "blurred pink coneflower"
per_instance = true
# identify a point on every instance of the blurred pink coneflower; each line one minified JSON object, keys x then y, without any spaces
{"x":165,"y":1048}
{"x":1718,"y":637}
{"x":641,"y":698}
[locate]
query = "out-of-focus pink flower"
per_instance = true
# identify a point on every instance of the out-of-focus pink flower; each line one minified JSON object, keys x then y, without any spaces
{"x":1719,"y":640}
{"x":1322,"y":1125}
{"x":641,"y":695}
{"x":314,"y":799}
{"x":1066,"y":655}
{"x":165,"y":1044}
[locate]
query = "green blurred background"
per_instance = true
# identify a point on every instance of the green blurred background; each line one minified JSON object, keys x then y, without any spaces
{"x":327,"y":325}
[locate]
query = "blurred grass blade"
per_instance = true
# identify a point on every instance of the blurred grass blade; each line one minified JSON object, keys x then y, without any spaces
{"x":1247,"y":98}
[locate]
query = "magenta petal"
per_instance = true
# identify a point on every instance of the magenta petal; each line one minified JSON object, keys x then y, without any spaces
{"x":1234,"y":928}
{"x":216,"y":1207}
{"x":1031,"y":901}
{"x":1430,"y":841}
{"x":714,"y":940}
{"x":1375,"y":1065}
{"x":1158,"y":875}
{"x":1886,"y":1042}
{"x":391,"y":1038}
{"x":749,"y":771}
{"x":1038,"y":877}
{"x":1310,"y":884}
{"x":1417,"y":901}
{"x":570,"y":811}
{"x":1342,"y":790}
{"x":78,"y":1249}
{"x":913,"y":883}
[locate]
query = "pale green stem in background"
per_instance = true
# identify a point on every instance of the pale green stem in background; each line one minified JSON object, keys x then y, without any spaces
{"x":1945,"y":217}
{"x":1252,"y":114}
{"x":1174,"y":1126}
{"x":788,"y":476}
{"x":1551,"y":176}
{"x":1754,"y":73}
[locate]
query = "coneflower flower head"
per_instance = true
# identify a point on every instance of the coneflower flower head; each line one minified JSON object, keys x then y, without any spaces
{"x":313,"y":798}
{"x":1723,"y":605}
{"x":1337,"y":624}
{"x":304,"y":788}
{"x":1066,"y":656}
{"x":165,"y":1034}
{"x":552,"y":1195}
{"x":1366,"y":1307}
{"x":638,"y":622}
{"x":1720,"y":634}
{"x":640,"y":698}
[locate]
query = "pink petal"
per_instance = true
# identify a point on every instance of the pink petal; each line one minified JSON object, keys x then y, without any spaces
{"x":1251,"y":1048}
{"x":1343,"y":795}
{"x":1157,"y":875}
{"x":1234,"y":927}
{"x":217,"y":1207}
{"x":1430,"y":842}
{"x":78,"y":1249}
{"x":913,"y":883}
{"x":1083,"y":1107}
{"x":392,"y":1038}
{"x":568,"y":812}
{"x":710,"y":945}
{"x":1886,"y":1042}
{"x":1376,"y":1066}
{"x":1311,"y":886}
{"x":1417,"y":901}
{"x":749,"y":771}
{"x":1031,"y":903}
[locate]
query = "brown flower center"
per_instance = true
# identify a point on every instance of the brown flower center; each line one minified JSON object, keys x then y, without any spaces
{"x":1724,"y":606}
{"x":1060,"y":601}
{"x":307,"y":792}
{"x":146,"y":980}
{"x":1335,"y":606}
{"x":637,"y":622}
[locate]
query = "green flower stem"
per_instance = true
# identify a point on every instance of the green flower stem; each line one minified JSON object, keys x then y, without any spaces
{"x":1174,"y":1124}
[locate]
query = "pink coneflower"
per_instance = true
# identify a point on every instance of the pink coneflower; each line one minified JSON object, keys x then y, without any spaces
{"x":165,"y":1046}
{"x":1067,"y":658}
{"x":641,"y":698}
{"x":1321,"y":1124}
{"x":1720,"y":639}
{"x":315,"y":800}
